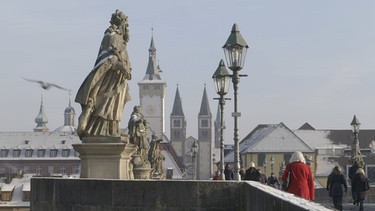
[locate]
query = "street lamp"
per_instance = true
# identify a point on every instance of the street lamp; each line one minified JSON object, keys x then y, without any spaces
{"x":221,"y":79}
{"x":194,"y":152}
{"x":272,"y":161}
{"x":265,"y":166}
{"x":356,"y":157}
{"x":235,"y":50}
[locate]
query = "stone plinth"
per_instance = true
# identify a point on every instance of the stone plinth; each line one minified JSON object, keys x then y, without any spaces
{"x":105,"y":158}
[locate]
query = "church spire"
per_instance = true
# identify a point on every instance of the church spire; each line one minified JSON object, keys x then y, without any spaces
{"x":41,"y":120}
{"x":205,"y":107}
{"x":153,"y":70}
{"x":177,"y":105}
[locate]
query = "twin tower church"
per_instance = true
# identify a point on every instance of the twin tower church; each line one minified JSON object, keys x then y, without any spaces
{"x":152,"y":102}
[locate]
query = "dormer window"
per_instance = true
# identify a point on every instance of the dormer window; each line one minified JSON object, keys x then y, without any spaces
{"x":28,"y":153}
{"x":4,"y":153}
{"x":53,"y":153}
{"x":65,"y":152}
{"x":41,"y":152}
{"x":16,"y":153}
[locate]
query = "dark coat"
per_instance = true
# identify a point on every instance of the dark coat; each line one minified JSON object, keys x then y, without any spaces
{"x":229,"y":174}
{"x":252,"y":174}
{"x":336,"y":184}
{"x":359,"y":184}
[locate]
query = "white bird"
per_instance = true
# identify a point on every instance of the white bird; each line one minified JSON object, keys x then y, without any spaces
{"x":46,"y":85}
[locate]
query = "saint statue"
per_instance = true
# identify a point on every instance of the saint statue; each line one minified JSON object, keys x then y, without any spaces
{"x":104,"y":92}
{"x":137,"y":130}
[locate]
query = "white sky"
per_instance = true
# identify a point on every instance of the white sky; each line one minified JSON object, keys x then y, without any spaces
{"x":308,"y":61}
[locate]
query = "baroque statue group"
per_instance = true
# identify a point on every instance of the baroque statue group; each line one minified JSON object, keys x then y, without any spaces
{"x":104,"y":93}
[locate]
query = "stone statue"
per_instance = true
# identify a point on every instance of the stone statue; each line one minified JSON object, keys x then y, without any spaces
{"x":104,"y":92}
{"x":155,"y":156}
{"x":137,"y":130}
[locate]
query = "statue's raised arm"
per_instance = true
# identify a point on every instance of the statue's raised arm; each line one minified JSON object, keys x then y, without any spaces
{"x":104,"y":92}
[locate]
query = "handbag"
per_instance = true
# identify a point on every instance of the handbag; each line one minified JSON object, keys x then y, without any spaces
{"x":285,"y":185}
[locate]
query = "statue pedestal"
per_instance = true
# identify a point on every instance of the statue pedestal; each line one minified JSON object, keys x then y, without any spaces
{"x":106,"y":157}
{"x":141,"y":170}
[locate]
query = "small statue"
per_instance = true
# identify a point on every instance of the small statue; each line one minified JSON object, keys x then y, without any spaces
{"x":104,"y":92}
{"x":155,"y":156}
{"x":138,"y":127}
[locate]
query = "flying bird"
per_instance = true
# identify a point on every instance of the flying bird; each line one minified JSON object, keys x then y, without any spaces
{"x":46,"y":85}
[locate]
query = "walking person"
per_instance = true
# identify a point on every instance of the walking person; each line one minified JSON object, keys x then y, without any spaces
{"x":301,"y":179}
{"x":228,"y":173}
{"x":272,"y":181}
{"x":360,"y":185}
{"x":336,"y":185}
{"x":252,"y":173}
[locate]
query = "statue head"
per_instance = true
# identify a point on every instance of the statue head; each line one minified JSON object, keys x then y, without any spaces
{"x":120,"y":20}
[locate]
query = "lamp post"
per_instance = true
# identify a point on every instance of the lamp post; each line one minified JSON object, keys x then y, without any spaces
{"x":272,"y":161}
{"x":194,"y":152}
{"x":356,"y":156}
{"x":221,"y":79}
{"x":265,"y":166}
{"x":235,"y":50}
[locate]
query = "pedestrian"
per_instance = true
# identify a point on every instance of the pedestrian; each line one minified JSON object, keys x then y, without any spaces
{"x":242,"y":173}
{"x":263,"y":177}
{"x":228,"y":172}
{"x":337,"y":186}
{"x":216,"y":176}
{"x":301,"y":179}
{"x":273,"y":181}
{"x":252,"y":173}
{"x":360,"y":185}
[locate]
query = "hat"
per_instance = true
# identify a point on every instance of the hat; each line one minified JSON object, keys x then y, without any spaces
{"x":252,"y":164}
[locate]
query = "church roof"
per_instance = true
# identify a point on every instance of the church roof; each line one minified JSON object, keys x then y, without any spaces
{"x":153,"y":70}
{"x":205,"y":106}
{"x":177,"y":105}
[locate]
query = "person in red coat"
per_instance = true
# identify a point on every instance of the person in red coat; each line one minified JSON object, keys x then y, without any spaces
{"x":301,"y":178}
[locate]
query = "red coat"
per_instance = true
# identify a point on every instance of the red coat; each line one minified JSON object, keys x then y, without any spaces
{"x":301,"y":180}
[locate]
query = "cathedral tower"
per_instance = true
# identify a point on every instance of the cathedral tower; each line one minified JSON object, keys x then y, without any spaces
{"x":204,"y":160}
{"x":178,"y":126}
{"x":152,"y":94}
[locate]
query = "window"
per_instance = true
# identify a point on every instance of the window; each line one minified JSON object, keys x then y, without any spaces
{"x":38,"y":170}
{"x":176,"y":123}
{"x":62,"y":170}
{"x":16,"y":153}
{"x":75,"y":170}
{"x":53,"y":153}
{"x":51,"y":170}
{"x":176,"y":134}
{"x":41,"y":152}
{"x":3,"y":169}
{"x":204,"y":134}
{"x":15,"y":170}
{"x":65,"y":152}
{"x":26,"y":169}
{"x":204,"y":123}
{"x":4,"y":153}
{"x":29,"y":153}
{"x":145,"y":87}
{"x":261,"y":158}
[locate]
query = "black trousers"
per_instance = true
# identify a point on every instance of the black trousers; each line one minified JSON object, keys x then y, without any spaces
{"x":337,"y":202}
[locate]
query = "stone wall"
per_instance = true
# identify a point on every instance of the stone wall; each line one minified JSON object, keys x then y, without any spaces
{"x":115,"y":195}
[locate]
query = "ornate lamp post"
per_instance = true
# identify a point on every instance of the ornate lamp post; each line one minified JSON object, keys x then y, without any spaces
{"x":356,"y":156}
{"x":265,"y":166}
{"x":221,"y":79}
{"x":194,"y":152}
{"x":272,"y":161}
{"x":235,"y":52}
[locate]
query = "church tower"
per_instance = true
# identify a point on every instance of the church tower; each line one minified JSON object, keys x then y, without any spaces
{"x":41,"y":119}
{"x":152,"y":94}
{"x":178,"y":127}
{"x":204,"y":159}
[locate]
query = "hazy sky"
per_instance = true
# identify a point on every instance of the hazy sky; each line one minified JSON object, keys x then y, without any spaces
{"x":308,"y":61}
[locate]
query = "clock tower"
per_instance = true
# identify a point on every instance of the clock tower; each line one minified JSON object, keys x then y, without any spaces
{"x":152,"y":94}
